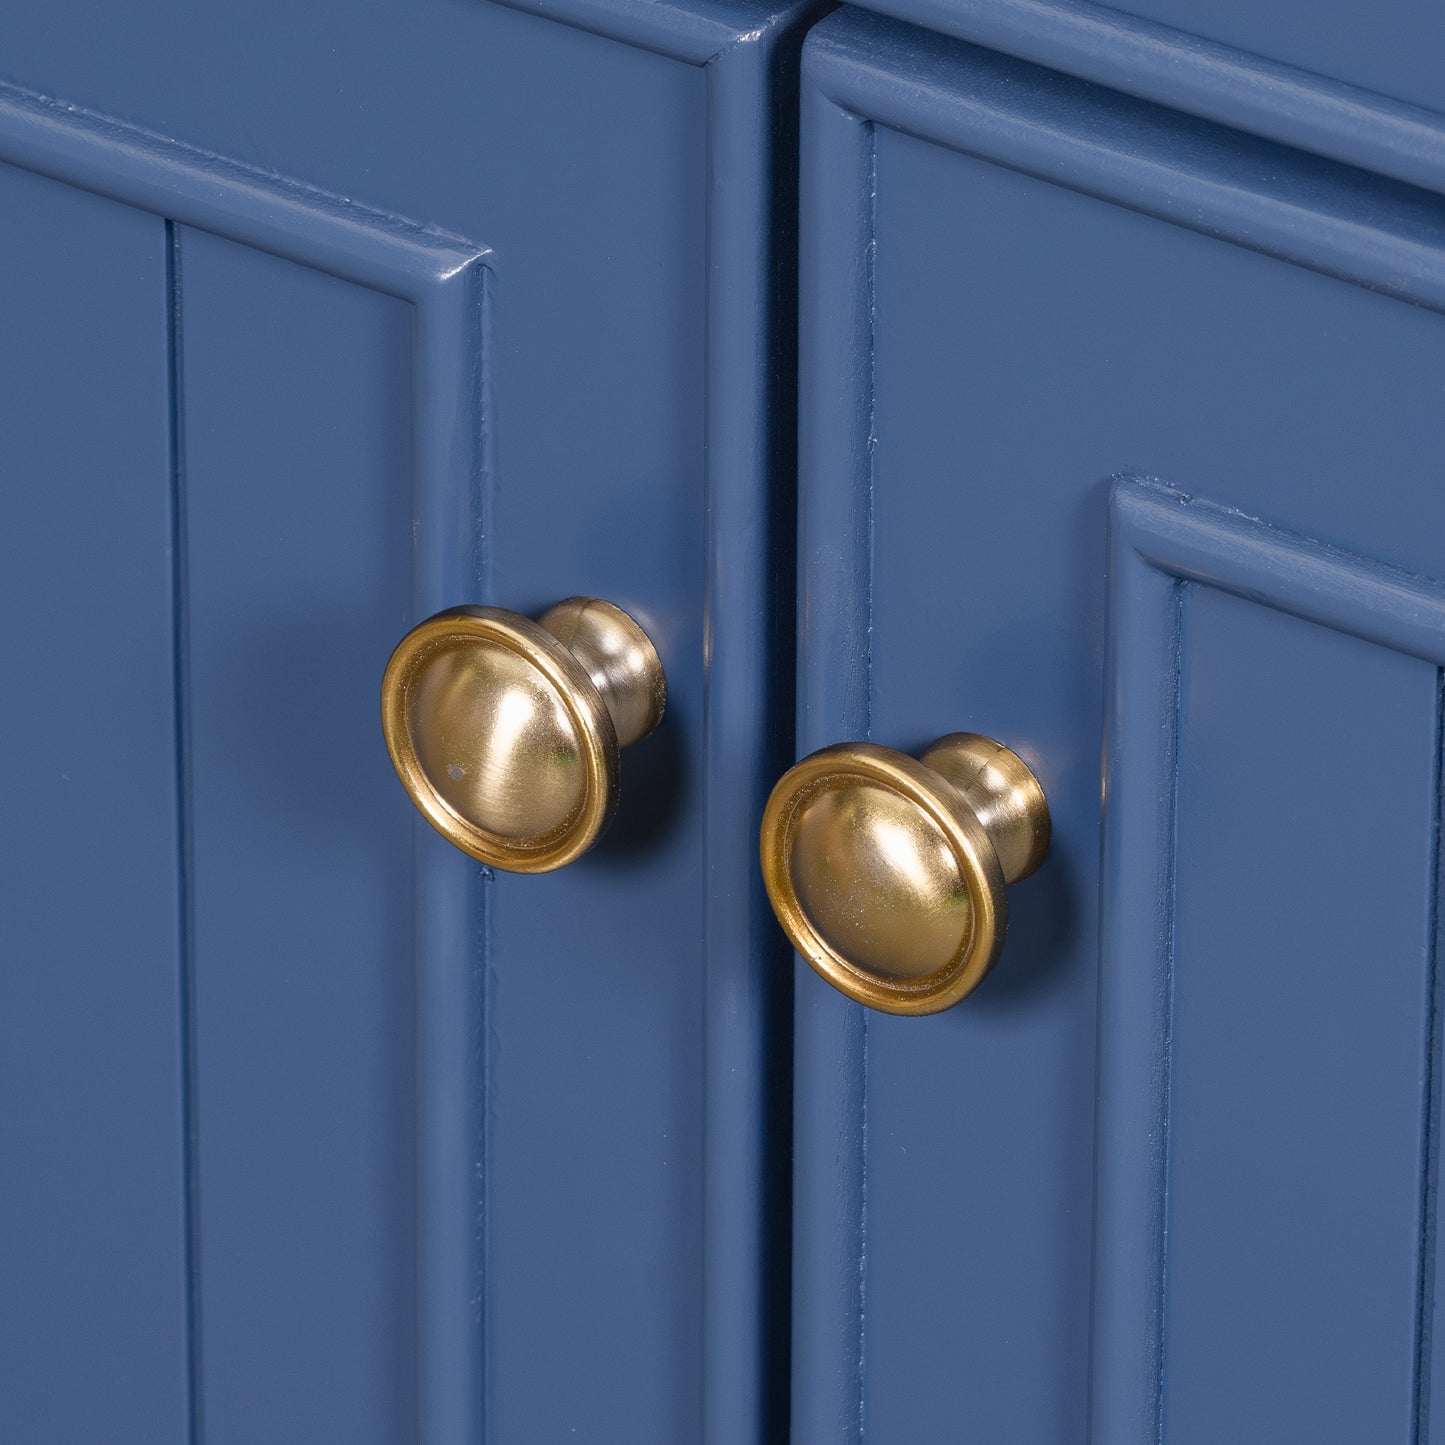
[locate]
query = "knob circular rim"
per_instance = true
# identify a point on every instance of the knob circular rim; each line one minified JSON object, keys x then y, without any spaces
{"x":576,"y":731}
{"x":888,"y":873}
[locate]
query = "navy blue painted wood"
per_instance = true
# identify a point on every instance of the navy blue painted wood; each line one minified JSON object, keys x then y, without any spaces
{"x":1300,"y":1028}
{"x":442,"y":277}
{"x":453,"y":1135}
{"x":93,"y":1324}
{"x":297,"y":424}
{"x":1014,"y":288}
{"x":320,"y":321}
{"x":1158,"y":545}
{"x":1384,"y":47}
{"x":1146,"y":1149}
{"x":1184,"y":69}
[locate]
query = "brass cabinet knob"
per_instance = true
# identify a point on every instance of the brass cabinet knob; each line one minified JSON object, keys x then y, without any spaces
{"x":506,"y":731}
{"x":888,"y":872}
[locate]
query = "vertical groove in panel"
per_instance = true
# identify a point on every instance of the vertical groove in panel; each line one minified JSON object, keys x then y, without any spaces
{"x":190,"y":1141}
{"x":1430,"y":1142}
{"x":92,"y":1304}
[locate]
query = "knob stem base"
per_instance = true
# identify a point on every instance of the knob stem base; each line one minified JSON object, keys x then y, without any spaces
{"x":1003,"y":794}
{"x":619,"y":658}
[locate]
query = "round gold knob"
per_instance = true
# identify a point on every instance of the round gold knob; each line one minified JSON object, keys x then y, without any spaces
{"x":888,"y":872}
{"x":506,"y":731}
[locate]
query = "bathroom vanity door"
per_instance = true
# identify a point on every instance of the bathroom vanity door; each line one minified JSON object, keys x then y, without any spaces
{"x":1120,"y":443}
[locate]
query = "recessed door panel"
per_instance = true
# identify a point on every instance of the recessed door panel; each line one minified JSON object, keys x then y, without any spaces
{"x":1018,"y":290}
{"x":1300,"y":1017}
{"x":297,"y":411}
{"x":92,"y":1077}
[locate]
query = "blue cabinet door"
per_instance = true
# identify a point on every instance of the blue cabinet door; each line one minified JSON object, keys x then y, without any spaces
{"x":314,"y":320}
{"x":1120,"y":440}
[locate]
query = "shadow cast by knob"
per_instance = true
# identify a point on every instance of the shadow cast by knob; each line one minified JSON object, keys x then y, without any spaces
{"x":655,"y":787}
{"x":1043,"y":932}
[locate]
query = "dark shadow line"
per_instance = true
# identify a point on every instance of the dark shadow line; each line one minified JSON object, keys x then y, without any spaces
{"x":180,"y":583}
{"x":1430,"y":1141}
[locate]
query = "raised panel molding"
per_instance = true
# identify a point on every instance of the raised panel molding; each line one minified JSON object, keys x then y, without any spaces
{"x":861,"y":70}
{"x":445,"y":278}
{"x":1161,"y":540}
{"x":1203,"y":77}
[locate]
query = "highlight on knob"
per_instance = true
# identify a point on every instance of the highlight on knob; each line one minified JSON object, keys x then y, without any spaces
{"x":888,"y":873}
{"x":506,"y":732}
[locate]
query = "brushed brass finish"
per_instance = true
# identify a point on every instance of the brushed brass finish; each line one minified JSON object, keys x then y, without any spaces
{"x":888,"y":872}
{"x":505,"y":732}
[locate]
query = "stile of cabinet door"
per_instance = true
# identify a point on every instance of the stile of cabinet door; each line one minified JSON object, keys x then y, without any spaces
{"x":324,"y":1132}
{"x":1121,"y":440}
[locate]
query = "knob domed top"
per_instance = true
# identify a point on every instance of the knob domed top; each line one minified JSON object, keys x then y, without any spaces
{"x":507,"y":739}
{"x":888,"y":873}
{"x":878,"y":879}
